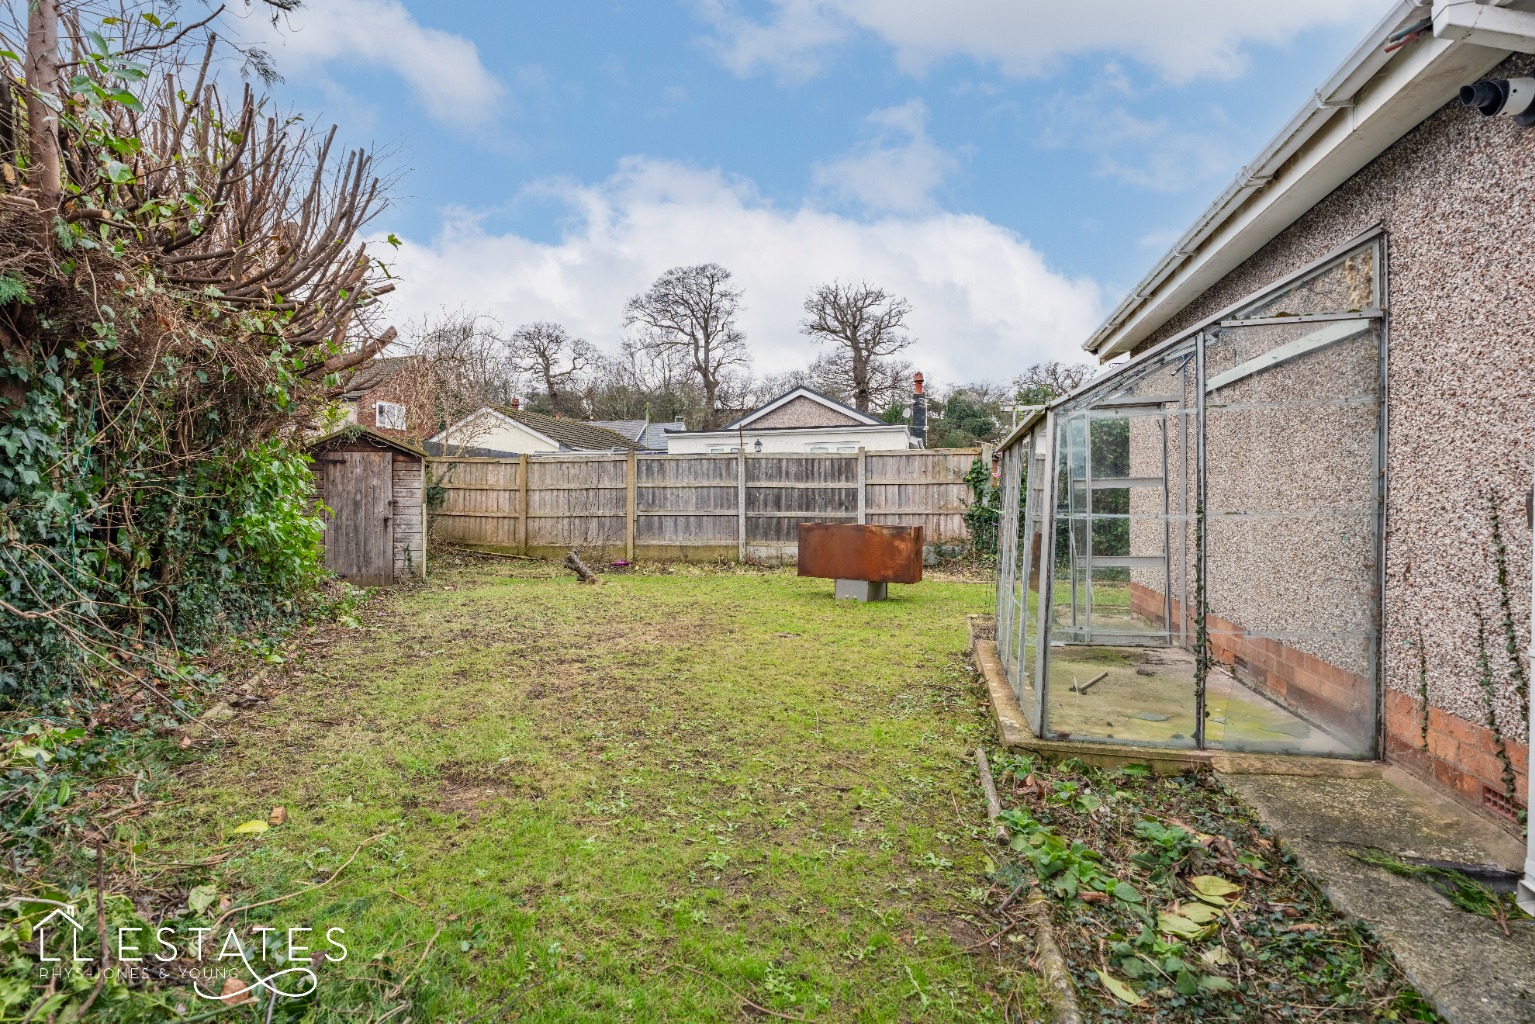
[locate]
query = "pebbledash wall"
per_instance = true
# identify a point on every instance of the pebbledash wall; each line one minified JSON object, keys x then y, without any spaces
{"x":1456,"y":197}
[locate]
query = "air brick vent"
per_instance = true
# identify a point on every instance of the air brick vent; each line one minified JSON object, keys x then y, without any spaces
{"x":1499,"y":804}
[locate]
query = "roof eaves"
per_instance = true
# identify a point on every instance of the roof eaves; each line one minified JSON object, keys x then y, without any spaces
{"x":789,"y":395}
{"x":355,"y":430}
{"x":837,"y":428}
{"x":1383,"y":96}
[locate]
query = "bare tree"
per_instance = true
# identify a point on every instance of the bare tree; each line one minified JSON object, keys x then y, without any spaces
{"x":636,"y":383}
{"x":554,"y":359}
{"x":692,"y":310}
{"x":232,"y":200}
{"x":1045,"y":382}
{"x":868,"y":323}
{"x":459,"y":362}
{"x":885,"y":381}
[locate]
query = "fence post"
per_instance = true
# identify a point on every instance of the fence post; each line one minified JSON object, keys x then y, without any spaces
{"x":741,"y":506}
{"x":522,"y":503}
{"x":631,"y":482}
{"x":863,"y":484}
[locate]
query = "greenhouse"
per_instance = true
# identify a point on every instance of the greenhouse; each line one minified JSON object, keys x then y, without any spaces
{"x":1191,"y":544}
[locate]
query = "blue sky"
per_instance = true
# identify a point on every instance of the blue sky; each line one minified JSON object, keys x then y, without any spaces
{"x":1011,"y":167}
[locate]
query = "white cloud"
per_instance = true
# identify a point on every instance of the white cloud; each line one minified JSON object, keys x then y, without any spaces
{"x":985,"y":303}
{"x":896,"y":168}
{"x":1182,"y":39}
{"x":791,"y":44}
{"x":443,"y":70}
{"x":1152,"y":154}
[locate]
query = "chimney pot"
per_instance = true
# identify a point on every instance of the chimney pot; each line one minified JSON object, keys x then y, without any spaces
{"x":918,"y":412}
{"x":516,"y":403}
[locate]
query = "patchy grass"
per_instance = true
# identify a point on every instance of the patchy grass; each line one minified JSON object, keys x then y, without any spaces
{"x":693,"y":794}
{"x":1174,"y":904}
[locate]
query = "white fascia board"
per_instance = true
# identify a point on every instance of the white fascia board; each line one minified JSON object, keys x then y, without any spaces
{"x":1485,"y":24}
{"x":802,"y":392}
{"x":875,"y":428}
{"x":442,"y":435}
{"x":1322,"y":148}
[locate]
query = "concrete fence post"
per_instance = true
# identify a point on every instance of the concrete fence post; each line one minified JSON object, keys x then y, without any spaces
{"x":631,"y":482}
{"x":522,"y":503}
{"x":863,"y":485}
{"x":741,"y":505}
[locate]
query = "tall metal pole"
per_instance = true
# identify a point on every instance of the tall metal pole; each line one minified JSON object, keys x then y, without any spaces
{"x":1201,"y":596}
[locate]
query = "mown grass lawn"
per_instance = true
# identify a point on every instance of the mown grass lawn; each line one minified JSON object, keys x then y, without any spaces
{"x":665,"y":798}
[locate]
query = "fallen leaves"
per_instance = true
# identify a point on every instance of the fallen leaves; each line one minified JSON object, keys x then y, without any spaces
{"x":202,"y":897}
{"x":1213,"y":887}
{"x":235,"y":992}
{"x":1123,"y":992}
{"x":1171,"y":923}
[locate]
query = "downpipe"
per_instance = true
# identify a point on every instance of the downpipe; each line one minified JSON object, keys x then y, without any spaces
{"x":1526,"y":894}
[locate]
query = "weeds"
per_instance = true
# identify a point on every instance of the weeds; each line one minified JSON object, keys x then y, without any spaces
{"x":1465,"y":892}
{"x":1173,"y":903}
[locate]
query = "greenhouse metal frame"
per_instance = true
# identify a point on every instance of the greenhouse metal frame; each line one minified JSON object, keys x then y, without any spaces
{"x":1190,"y":548}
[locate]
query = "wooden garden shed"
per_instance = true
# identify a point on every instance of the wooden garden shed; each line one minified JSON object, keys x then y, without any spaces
{"x":373,"y":491}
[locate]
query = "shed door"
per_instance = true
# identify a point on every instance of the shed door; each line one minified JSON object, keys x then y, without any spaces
{"x":359,"y":531}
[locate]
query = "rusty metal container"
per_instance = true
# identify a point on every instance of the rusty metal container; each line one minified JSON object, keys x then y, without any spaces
{"x":854,"y":551}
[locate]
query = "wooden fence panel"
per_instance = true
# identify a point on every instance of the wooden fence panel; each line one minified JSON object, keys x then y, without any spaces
{"x":479,"y":501}
{"x":701,"y":507}
{"x":927,"y":491}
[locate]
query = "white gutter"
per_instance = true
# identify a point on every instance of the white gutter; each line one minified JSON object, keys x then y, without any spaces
{"x":1485,"y":24}
{"x":1370,"y":102}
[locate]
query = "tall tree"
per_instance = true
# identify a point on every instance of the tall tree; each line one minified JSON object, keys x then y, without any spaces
{"x":887,"y":382}
{"x":555,"y":360}
{"x":1045,"y":382}
{"x":692,"y":310}
{"x":868,"y":323}
{"x":458,"y":363}
{"x":44,"y":168}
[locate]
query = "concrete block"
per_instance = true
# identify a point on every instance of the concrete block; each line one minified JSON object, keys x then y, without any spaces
{"x":861,"y":590}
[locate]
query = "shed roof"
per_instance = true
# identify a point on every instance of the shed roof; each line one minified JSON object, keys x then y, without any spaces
{"x":353,"y":431}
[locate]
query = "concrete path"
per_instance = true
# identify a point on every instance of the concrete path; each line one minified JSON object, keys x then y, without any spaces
{"x":1465,"y":964}
{"x":1322,"y":808}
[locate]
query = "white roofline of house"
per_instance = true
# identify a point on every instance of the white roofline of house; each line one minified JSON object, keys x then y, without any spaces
{"x":862,"y":428}
{"x":1370,"y":102}
{"x":441,"y":436}
{"x":799,"y":391}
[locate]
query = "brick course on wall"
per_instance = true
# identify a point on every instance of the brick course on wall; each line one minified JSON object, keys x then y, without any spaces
{"x":420,"y":423}
{"x":1460,"y":757}
{"x":1456,"y":198}
{"x":1332,"y":698}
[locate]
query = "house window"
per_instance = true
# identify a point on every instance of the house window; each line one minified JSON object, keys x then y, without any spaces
{"x":818,"y":449}
{"x":389,"y":416}
{"x":723,"y":449}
